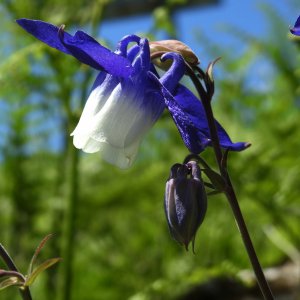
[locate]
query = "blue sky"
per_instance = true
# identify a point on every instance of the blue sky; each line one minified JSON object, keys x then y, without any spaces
{"x":210,"y":21}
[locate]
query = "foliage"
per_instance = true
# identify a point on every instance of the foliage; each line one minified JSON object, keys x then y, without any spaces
{"x":122,"y":246}
{"x":13,"y":277}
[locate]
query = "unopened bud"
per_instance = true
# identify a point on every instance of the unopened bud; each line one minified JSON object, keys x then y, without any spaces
{"x":165,"y":46}
{"x":185,"y":202}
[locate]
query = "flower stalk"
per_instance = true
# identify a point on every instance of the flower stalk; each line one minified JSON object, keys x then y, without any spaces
{"x":69,"y":249}
{"x":24,"y":290}
{"x":229,"y":191}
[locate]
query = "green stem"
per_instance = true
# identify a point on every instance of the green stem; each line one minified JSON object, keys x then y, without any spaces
{"x":70,"y":224}
{"x":229,"y":191}
{"x":209,"y":114}
{"x":24,"y":291}
{"x":261,"y":280}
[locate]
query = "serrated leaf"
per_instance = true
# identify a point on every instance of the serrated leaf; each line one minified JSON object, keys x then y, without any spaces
{"x":42,"y":267}
{"x":11,"y":281}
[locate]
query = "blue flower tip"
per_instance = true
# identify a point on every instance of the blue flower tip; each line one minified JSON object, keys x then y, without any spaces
{"x":296,"y":28}
{"x":295,"y":31}
{"x":20,"y":21}
{"x":292,"y":29}
{"x":247,"y":145}
{"x":23,"y":21}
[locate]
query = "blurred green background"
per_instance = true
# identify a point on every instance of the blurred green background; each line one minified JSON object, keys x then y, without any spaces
{"x":109,"y":224}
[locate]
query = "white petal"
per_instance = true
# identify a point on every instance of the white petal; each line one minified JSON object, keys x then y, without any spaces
{"x":85,"y":143}
{"x":120,"y":157}
{"x":94,"y":103}
{"x":114,"y":125}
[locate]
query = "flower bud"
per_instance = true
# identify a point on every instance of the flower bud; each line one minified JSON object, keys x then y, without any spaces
{"x":172,"y":46}
{"x":185,"y":202}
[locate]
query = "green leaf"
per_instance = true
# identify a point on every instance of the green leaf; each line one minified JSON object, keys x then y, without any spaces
{"x":282,"y":242}
{"x":37,"y":251}
{"x":213,"y":193}
{"x":45,"y":265}
{"x":215,"y":178}
{"x":4,"y":273}
{"x":11,"y":281}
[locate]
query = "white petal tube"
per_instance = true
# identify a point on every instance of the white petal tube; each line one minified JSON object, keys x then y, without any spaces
{"x":115,"y":122}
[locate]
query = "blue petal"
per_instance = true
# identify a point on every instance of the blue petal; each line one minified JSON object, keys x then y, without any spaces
{"x":89,"y":51}
{"x":141,"y":61}
{"x":81,"y":46}
{"x":123,"y":44}
{"x":296,"y":29}
{"x":194,"y":139}
{"x":132,"y":52}
{"x":99,"y":79}
{"x":189,"y":116}
{"x":193,"y":108}
{"x":45,"y":32}
{"x":171,"y":78}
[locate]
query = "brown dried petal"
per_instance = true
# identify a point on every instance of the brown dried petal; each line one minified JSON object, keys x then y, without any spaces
{"x":165,"y":46}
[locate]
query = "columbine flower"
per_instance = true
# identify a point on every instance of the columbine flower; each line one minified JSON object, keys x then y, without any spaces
{"x":296,"y":29}
{"x":128,"y":96}
{"x":124,"y":102}
{"x":185,"y":202}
